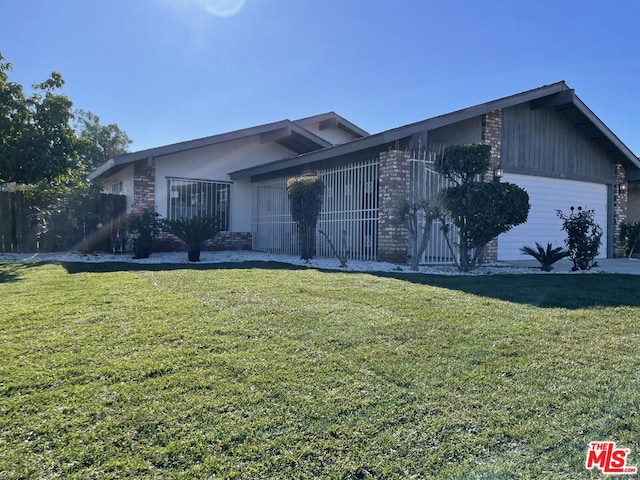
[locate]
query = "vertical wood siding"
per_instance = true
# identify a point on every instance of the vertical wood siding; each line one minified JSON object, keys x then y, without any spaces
{"x":543,"y":142}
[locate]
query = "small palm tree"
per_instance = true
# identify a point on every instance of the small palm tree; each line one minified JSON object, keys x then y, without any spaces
{"x":194,"y":232}
{"x":546,"y":257}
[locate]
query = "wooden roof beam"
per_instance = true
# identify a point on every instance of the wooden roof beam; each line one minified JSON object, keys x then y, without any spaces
{"x":275,"y":135}
{"x":556,"y":100}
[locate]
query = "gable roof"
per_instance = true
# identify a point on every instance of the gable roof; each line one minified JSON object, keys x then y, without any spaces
{"x":557,"y":95}
{"x":332,"y":119}
{"x":285,"y":132}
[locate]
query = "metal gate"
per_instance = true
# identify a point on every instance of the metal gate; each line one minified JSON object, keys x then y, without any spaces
{"x":425,"y":184}
{"x":349,"y":216}
{"x":273,"y":229}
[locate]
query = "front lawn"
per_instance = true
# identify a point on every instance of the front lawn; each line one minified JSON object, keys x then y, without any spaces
{"x":268,"y":371}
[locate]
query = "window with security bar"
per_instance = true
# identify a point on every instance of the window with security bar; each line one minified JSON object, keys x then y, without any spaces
{"x":199,"y":198}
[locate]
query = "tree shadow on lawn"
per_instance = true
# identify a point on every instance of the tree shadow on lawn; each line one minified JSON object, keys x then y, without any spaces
{"x":571,"y":291}
{"x":12,"y":272}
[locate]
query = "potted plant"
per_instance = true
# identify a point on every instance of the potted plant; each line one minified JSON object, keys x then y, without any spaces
{"x":194,"y":232}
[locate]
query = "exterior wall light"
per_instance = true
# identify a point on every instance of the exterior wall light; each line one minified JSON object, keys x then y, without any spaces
{"x":498,"y":173}
{"x":622,"y":187}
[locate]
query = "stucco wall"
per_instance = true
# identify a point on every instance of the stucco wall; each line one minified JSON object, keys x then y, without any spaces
{"x":214,"y":163}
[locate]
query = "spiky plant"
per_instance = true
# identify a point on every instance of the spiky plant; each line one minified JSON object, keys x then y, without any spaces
{"x":547,"y":257}
{"x":194,"y":232}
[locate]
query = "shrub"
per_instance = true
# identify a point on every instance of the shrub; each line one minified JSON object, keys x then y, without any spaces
{"x":630,"y":237}
{"x":143,"y":226}
{"x":546,"y":257}
{"x":305,"y":200}
{"x":194,"y":232}
{"x":584,"y":237}
{"x":480,"y":210}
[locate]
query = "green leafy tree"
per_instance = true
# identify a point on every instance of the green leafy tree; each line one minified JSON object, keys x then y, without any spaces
{"x":98,"y":143}
{"x":38,"y":142}
{"x":480,"y":210}
{"x":41,"y":152}
{"x":305,"y":199}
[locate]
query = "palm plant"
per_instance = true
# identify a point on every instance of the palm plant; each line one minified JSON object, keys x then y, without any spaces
{"x":194,"y":232}
{"x":546,"y":257}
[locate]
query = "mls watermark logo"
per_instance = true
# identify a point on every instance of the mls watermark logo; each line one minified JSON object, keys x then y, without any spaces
{"x":609,"y":459}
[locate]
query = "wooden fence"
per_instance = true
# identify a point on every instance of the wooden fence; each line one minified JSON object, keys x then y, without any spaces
{"x":94,"y":223}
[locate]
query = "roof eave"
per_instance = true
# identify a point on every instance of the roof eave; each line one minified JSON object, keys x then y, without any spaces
{"x":311,"y":142}
{"x":395,"y":134}
{"x":628,"y":155}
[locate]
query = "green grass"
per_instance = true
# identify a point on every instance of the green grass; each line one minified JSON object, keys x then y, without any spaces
{"x":263,"y":371}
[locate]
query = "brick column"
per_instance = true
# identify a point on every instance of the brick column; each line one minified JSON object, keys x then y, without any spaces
{"x":619,"y":209}
{"x":492,"y":135}
{"x":393,"y":237}
{"x":144,"y":186}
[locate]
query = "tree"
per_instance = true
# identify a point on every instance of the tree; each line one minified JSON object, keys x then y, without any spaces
{"x":38,"y":142}
{"x":98,"y":143}
{"x":40,"y":151}
{"x":305,"y":199}
{"x":421,"y":208}
{"x":480,"y":210}
{"x":425,"y":209}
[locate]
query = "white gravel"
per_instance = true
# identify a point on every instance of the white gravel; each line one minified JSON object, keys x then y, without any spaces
{"x":251,"y":256}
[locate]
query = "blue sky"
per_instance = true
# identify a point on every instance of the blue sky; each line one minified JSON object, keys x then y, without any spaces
{"x":173,"y":70}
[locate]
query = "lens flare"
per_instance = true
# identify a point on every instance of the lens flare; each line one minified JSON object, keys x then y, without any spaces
{"x":223,"y":8}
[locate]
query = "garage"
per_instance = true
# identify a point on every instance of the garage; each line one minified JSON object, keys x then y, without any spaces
{"x":546,"y":195}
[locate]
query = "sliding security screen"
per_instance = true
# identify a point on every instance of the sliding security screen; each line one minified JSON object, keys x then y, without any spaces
{"x":199,"y":198}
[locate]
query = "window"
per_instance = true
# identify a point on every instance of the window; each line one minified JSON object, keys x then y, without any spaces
{"x":115,"y":188}
{"x":199,"y":198}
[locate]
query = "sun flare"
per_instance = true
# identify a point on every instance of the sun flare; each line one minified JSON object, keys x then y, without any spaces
{"x":223,"y":8}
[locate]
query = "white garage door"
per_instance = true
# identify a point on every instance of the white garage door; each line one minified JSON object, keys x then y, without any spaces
{"x":546,"y":195}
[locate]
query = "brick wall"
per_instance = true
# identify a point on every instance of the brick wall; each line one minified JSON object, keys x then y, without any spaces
{"x":144,"y":186}
{"x":222,"y":241}
{"x":492,"y":135}
{"x":393,"y":237}
{"x":620,"y":199}
{"x":230,"y":241}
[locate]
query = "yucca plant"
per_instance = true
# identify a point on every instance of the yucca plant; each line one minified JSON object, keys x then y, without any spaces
{"x":194,"y":232}
{"x":546,"y":257}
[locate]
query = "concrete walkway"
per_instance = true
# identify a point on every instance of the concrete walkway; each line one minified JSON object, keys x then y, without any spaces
{"x":630,"y":266}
